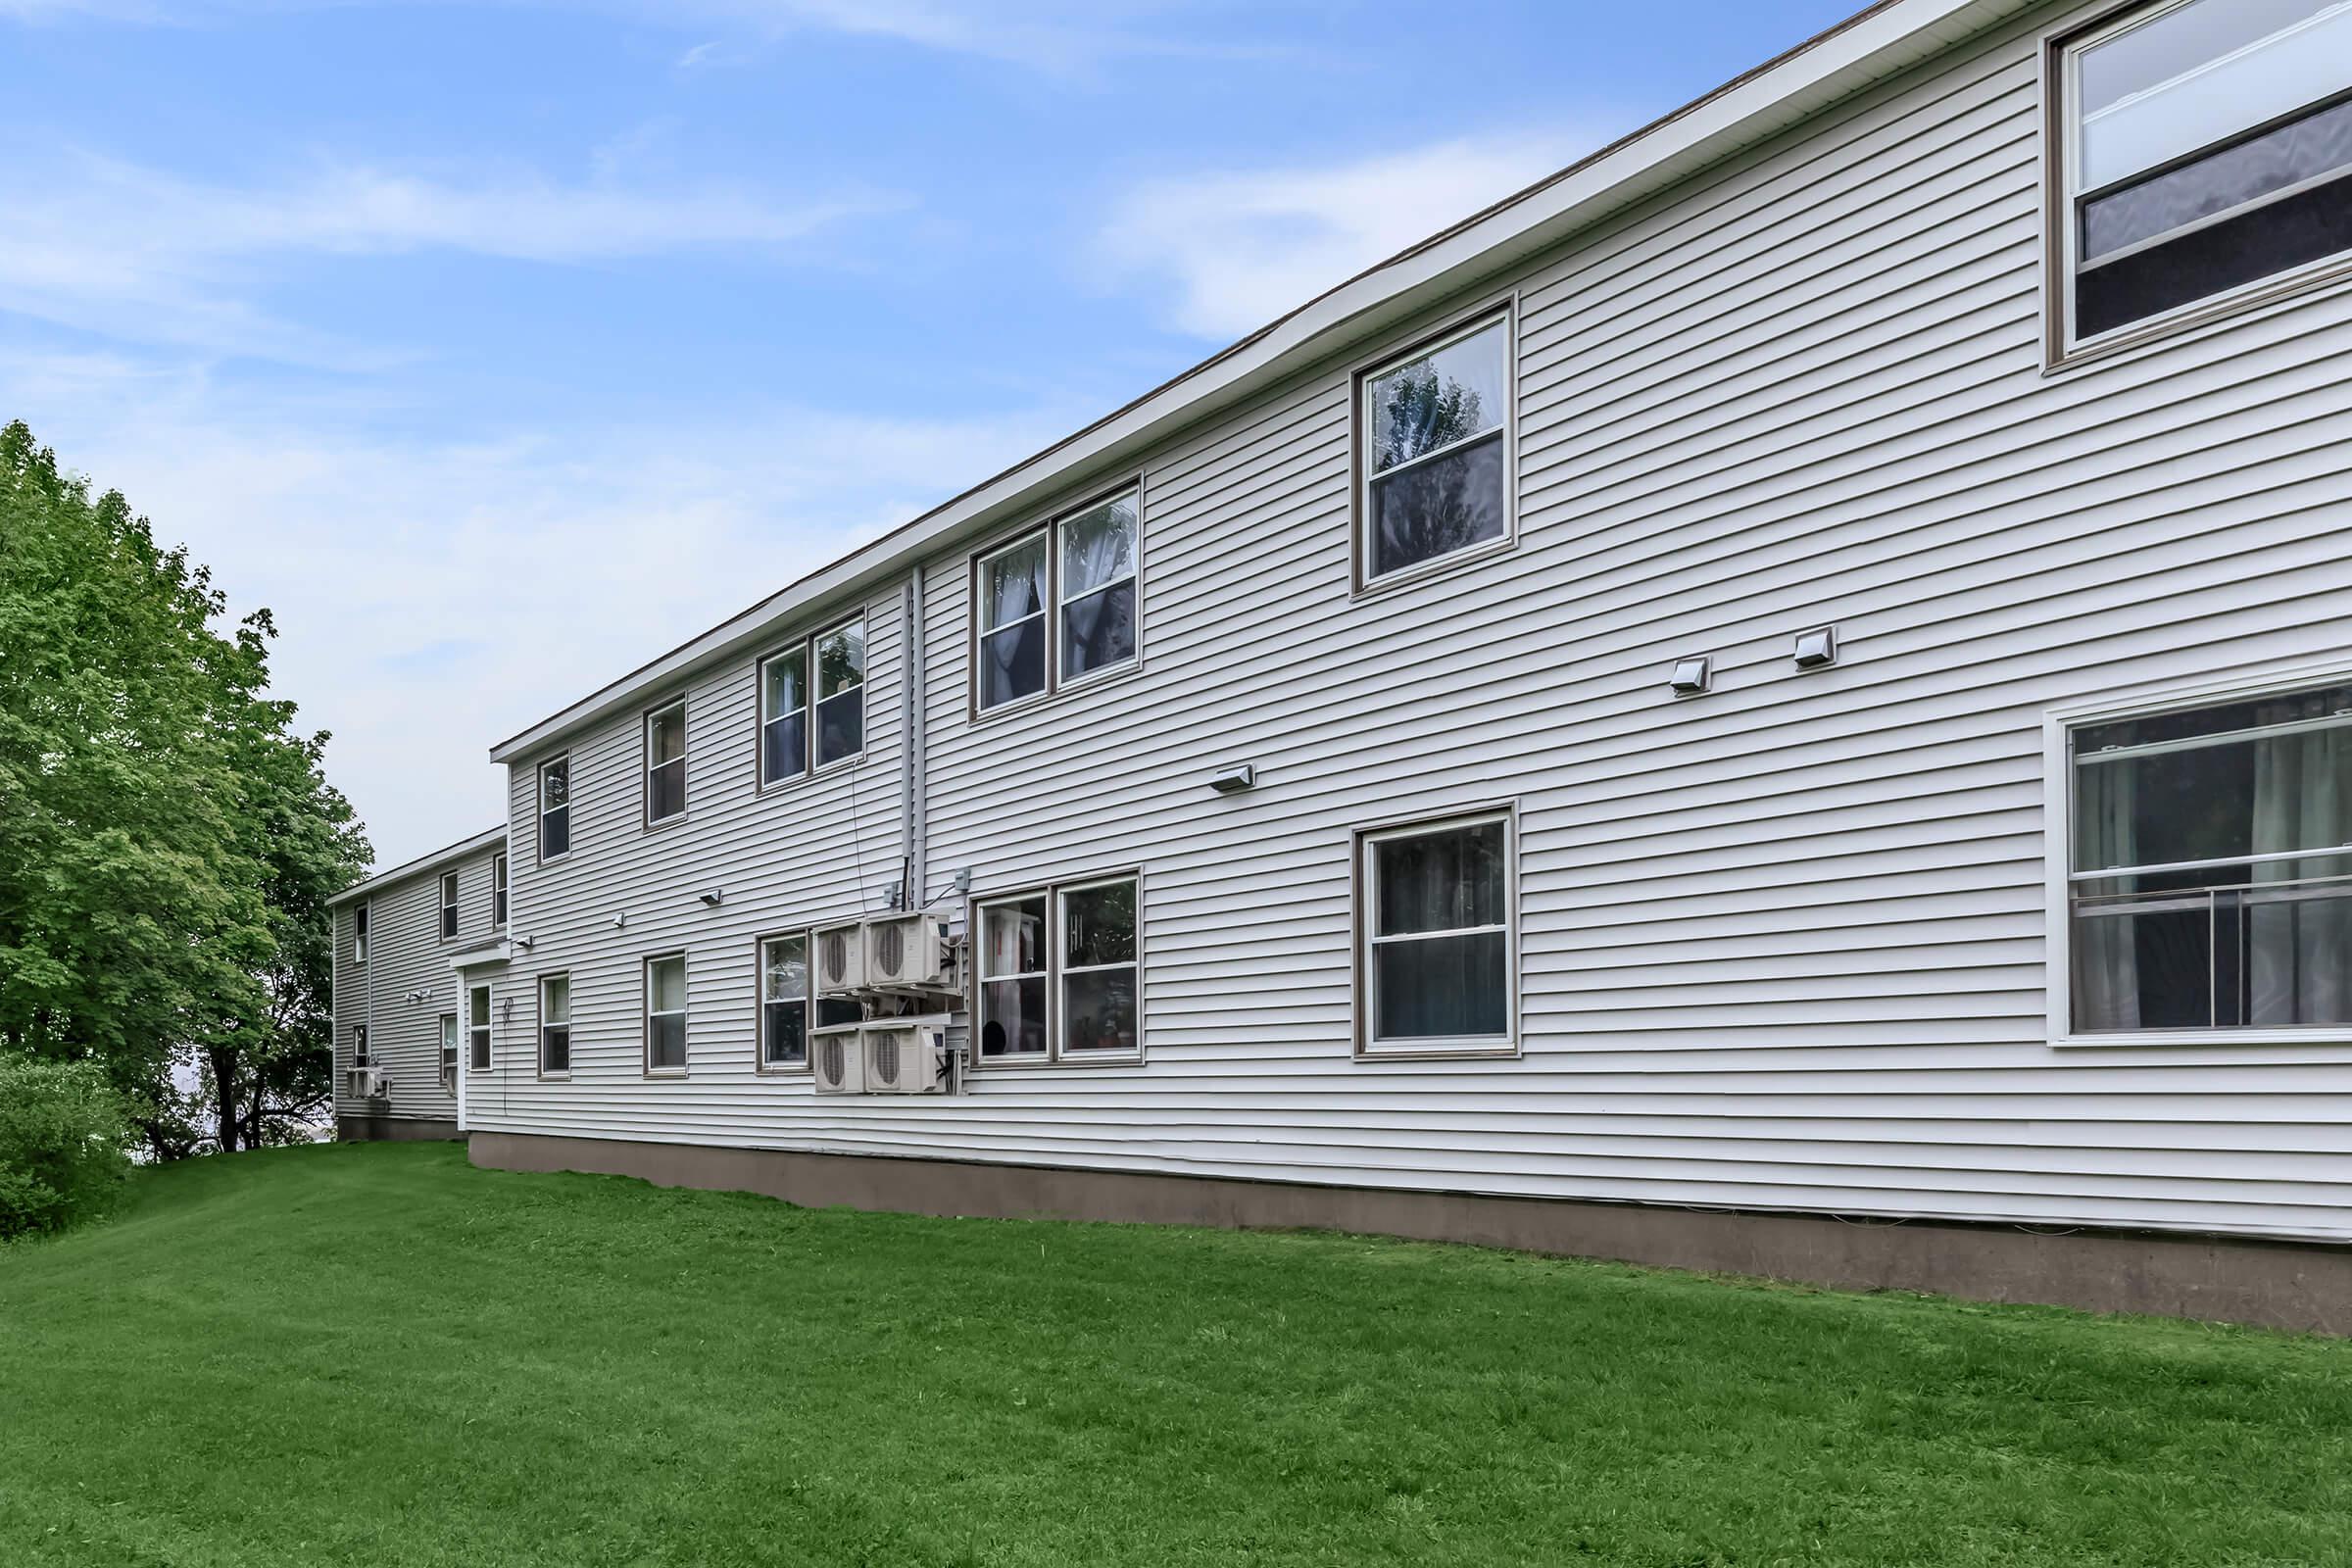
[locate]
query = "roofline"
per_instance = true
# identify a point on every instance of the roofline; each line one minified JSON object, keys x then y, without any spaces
{"x":423,"y":863}
{"x":1876,"y":42}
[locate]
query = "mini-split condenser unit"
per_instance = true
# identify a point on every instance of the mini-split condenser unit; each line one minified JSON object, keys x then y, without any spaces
{"x":368,"y":1083}
{"x":908,"y":952}
{"x":840,"y":958}
{"x":837,"y":1058}
{"x":905,"y":1058}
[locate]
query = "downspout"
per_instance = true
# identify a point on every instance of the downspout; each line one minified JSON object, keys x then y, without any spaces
{"x":911,"y":758}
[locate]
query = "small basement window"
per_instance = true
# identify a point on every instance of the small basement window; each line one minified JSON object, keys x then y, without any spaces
{"x":1434,"y":432}
{"x":1437,"y":969}
{"x":2206,"y":156}
{"x":2210,"y":886}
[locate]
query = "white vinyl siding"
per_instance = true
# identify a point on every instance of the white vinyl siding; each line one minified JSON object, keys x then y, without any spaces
{"x":1787,"y":946}
{"x":403,"y":990}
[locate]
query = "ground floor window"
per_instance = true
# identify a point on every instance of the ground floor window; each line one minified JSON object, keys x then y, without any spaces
{"x":554,"y":1023}
{"x":665,"y":1014}
{"x":359,"y":1047}
{"x":784,"y":1002}
{"x":1061,"y":972}
{"x":448,"y":1053}
{"x":2210,"y":872}
{"x":477,"y":1028}
{"x":1436,"y":969}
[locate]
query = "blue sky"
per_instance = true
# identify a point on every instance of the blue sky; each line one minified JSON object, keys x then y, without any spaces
{"x":498,"y":348}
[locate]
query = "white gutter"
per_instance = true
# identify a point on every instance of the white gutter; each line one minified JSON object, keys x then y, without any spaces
{"x":418,"y":866}
{"x":1888,"y":37}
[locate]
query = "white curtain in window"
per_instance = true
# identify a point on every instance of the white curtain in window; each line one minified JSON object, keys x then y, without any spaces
{"x":2299,"y":940}
{"x":2106,"y":953}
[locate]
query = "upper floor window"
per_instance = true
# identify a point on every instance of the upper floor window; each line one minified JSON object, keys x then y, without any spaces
{"x":1058,"y":603}
{"x":1060,"y":973}
{"x":555,"y":807}
{"x":449,"y":904}
{"x":498,"y":890}
{"x":665,"y":1014}
{"x":1437,"y":969}
{"x":793,"y":739}
{"x":1434,"y":435}
{"x":666,"y":762}
{"x":2207,"y":152}
{"x":2210,"y":884}
{"x":358,"y":934}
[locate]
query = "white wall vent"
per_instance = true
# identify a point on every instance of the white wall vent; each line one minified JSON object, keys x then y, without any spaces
{"x":909,"y":952}
{"x":837,"y":1058}
{"x":906,"y":1059}
{"x":840,"y":958}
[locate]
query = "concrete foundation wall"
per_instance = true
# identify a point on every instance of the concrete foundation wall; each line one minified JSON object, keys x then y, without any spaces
{"x":395,"y":1130}
{"x":2276,"y":1285}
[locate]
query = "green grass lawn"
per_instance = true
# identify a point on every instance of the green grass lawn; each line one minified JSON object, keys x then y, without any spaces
{"x":377,"y":1355}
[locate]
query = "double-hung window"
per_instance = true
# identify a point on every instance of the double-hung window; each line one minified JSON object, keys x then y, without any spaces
{"x":555,"y":809}
{"x":665,"y":762}
{"x":2210,"y":881}
{"x":2205,"y":156}
{"x":448,"y":1053}
{"x":665,"y":1014}
{"x":1060,"y":973}
{"x":785,"y":1004}
{"x":1058,"y":603}
{"x":358,"y":934}
{"x":808,"y":723}
{"x":555,"y":1024}
{"x":1437,"y":965}
{"x":449,"y":904}
{"x":1434,"y":437}
{"x":498,"y":890}
{"x":477,"y":1029}
{"x":359,"y":1047}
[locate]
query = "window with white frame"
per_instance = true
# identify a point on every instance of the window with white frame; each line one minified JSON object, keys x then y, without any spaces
{"x":555,"y":1024}
{"x":784,"y":1002}
{"x":2207,"y":152}
{"x":1437,"y":968}
{"x":448,"y":1053}
{"x":1434,"y":435}
{"x":498,"y":890}
{"x":555,"y":807}
{"x":358,"y":934}
{"x":477,"y":1029}
{"x":812,"y":704}
{"x":1096,"y":1008}
{"x":2210,"y":884}
{"x":665,"y":762}
{"x":839,"y":659}
{"x":1058,"y":603}
{"x":449,"y":904}
{"x":1060,"y":973}
{"x":359,"y":1047}
{"x":665,"y":1014}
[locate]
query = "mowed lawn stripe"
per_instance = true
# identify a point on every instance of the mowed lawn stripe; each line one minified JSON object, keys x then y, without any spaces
{"x":378,"y":1354}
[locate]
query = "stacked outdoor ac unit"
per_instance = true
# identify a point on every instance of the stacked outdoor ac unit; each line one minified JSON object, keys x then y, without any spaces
{"x":903,"y":968}
{"x":367,"y":1083}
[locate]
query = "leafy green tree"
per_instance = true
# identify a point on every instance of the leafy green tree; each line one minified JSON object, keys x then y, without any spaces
{"x":167,"y":841}
{"x":64,"y":1144}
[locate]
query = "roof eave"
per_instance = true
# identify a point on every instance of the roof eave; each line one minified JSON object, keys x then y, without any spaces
{"x":1888,"y":37}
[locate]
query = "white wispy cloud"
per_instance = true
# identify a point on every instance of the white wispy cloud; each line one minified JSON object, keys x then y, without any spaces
{"x":103,"y":245}
{"x":1229,"y":251}
{"x":434,"y":597}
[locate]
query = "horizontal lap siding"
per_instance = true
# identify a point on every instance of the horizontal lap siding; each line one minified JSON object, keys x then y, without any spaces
{"x":1784,"y":945}
{"x":406,"y":956}
{"x":817,"y":849}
